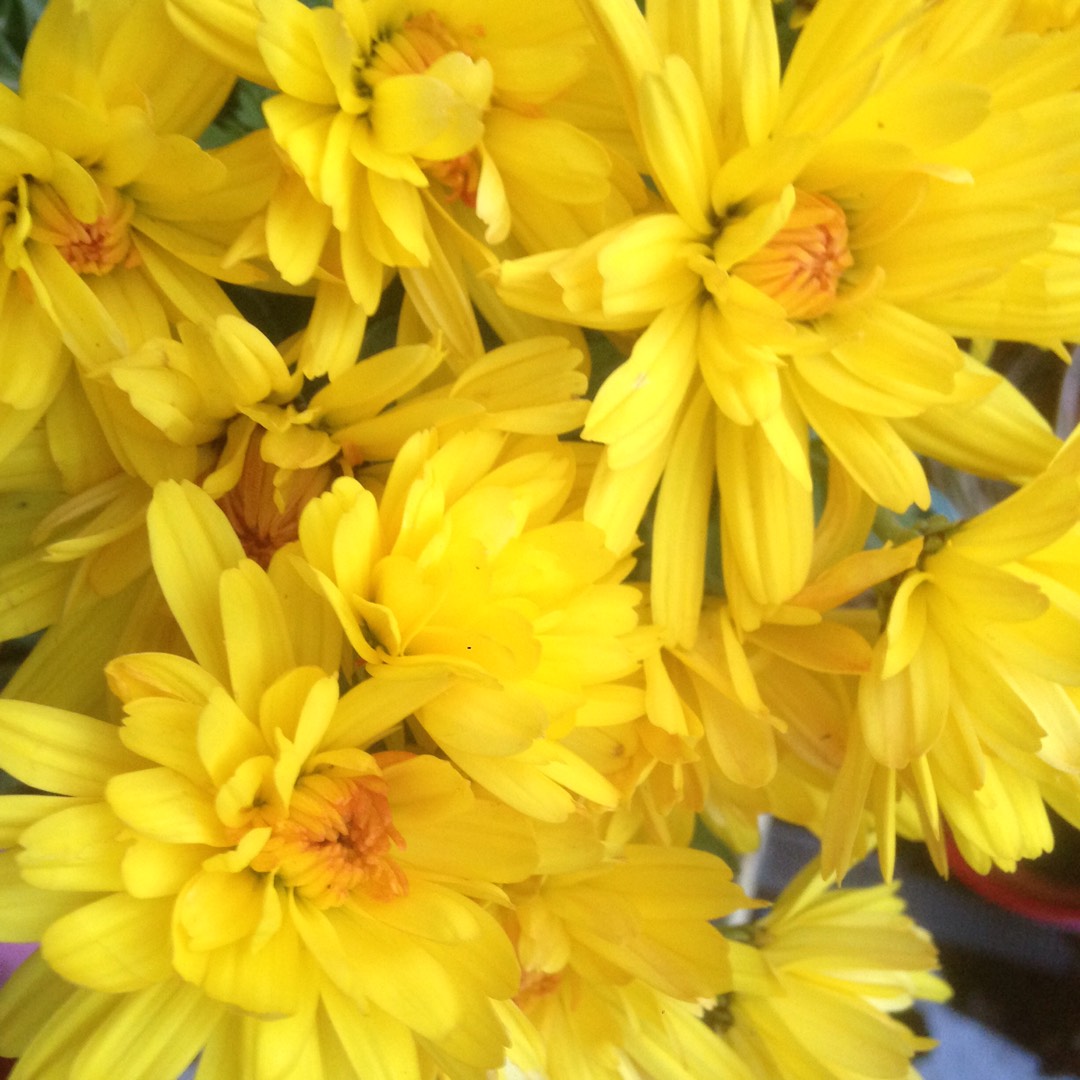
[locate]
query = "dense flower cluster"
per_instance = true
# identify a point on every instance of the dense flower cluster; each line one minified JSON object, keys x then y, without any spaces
{"x":453,"y":456}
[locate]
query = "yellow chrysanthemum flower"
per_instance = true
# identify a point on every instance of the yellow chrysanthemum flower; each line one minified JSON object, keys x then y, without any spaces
{"x":669,"y":1040}
{"x":822,"y":238}
{"x":156,"y":414}
{"x":815,"y":984}
{"x":466,"y":563}
{"x":403,"y":131}
{"x":222,"y":406}
{"x":967,"y":708}
{"x":234,"y":854}
{"x":721,"y":697}
{"x":596,"y":934}
{"x":114,"y":219}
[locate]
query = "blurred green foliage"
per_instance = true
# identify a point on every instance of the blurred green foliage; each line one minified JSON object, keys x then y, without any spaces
{"x":17,"y":18}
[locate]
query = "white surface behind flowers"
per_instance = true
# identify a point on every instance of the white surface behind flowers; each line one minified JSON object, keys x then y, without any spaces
{"x":970,"y":1051}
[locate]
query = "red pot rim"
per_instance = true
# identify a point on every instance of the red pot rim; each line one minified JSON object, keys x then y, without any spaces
{"x":1025,"y":891}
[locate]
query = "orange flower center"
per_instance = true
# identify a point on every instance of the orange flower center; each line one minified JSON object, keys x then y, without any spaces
{"x":93,"y":247}
{"x":265,"y":513}
{"x":459,"y":177}
{"x":415,"y":46}
{"x":536,"y":985}
{"x":337,"y":839}
{"x":802,"y":264}
{"x":411,"y":50}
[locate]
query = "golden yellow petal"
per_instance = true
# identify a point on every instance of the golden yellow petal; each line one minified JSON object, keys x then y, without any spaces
{"x":377,"y":1045}
{"x":242,"y":972}
{"x":257,"y":642}
{"x":152,"y":868}
{"x":519,"y":784}
{"x":547,"y":155}
{"x":422,"y":994}
{"x":644,"y":266}
{"x":169,"y":1023}
{"x":28,"y":910}
{"x":902,"y":715}
{"x":296,"y":230}
{"x":335,"y":331}
{"x":184,"y":88}
{"x":999,"y":434}
{"x":435,"y":115}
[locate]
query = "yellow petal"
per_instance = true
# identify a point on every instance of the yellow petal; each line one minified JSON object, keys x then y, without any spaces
{"x":679,"y":141}
{"x":645,"y":267}
{"x":60,"y":751}
{"x":28,"y":910}
{"x":869,"y":449}
{"x":292,"y":39}
{"x":377,"y":1045}
{"x":191,"y":543}
{"x":77,"y":849}
{"x":766,"y":517}
{"x":166,"y":806}
{"x":681,"y":525}
{"x":256,"y":639}
{"x":902,"y":716}
{"x":436,"y":115}
{"x":421,"y":994}
{"x":116,"y":944}
{"x":169,"y":1023}
{"x":225,"y":29}
{"x":244,"y":972}
{"x":371,"y":710}
{"x":547,"y":155}
{"x":636,"y":406}
{"x":296,"y":230}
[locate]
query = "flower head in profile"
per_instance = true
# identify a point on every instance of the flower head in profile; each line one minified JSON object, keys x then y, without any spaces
{"x":823,"y":236}
{"x":970,"y":705}
{"x":239,"y":852}
{"x":818,"y":980}
{"x":596,"y":936}
{"x":753,"y":707}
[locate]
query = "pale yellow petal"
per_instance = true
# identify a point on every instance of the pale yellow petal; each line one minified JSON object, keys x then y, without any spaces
{"x":60,"y":751}
{"x":116,"y":944}
{"x":635,"y":408}
{"x":680,"y":531}
{"x":766,"y":516}
{"x":679,"y":140}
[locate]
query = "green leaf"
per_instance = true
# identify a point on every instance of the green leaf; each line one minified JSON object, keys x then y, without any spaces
{"x":241,"y":114}
{"x":17,"y":19}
